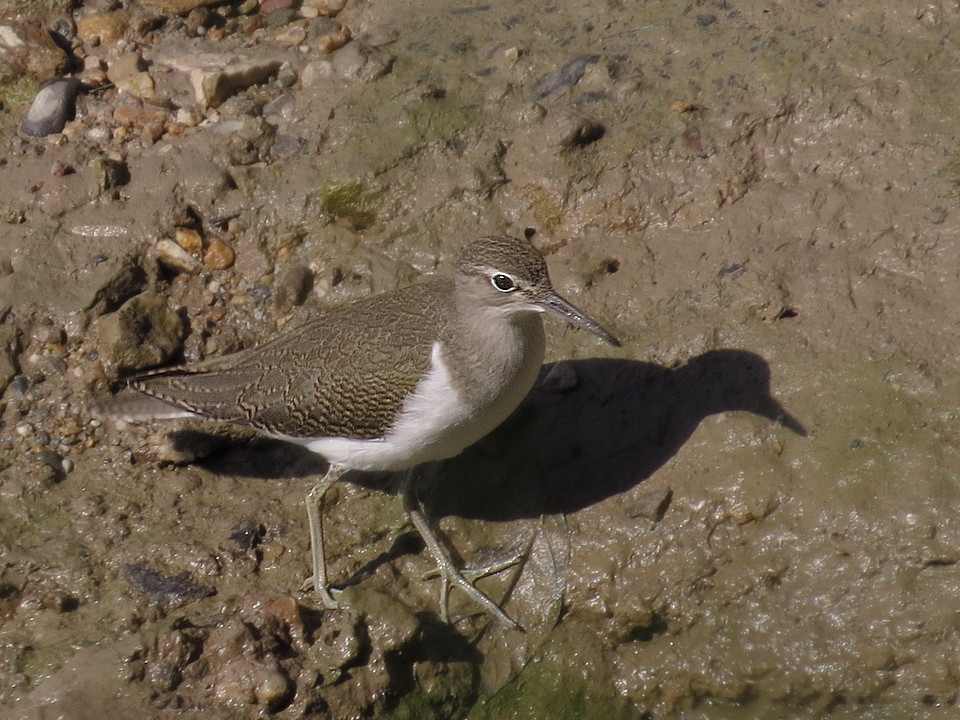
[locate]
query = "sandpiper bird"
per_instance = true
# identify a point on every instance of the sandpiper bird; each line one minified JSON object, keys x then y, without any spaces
{"x":386,"y":383}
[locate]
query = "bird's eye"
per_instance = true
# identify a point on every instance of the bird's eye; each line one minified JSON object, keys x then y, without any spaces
{"x":503,"y":283}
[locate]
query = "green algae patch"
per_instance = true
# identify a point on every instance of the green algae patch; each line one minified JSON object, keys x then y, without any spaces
{"x":350,"y":201}
{"x":547,"y":689}
{"x":19,"y":92}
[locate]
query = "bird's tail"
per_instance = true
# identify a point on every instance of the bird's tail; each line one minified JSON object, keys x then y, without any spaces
{"x":132,"y":406}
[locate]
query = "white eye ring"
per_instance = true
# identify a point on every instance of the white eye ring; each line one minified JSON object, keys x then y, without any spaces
{"x":503,"y":282}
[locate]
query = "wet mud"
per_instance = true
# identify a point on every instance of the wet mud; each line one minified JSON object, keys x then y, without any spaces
{"x":747,"y":511}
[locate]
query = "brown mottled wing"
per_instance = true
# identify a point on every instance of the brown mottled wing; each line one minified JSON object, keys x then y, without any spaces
{"x":345,"y":373}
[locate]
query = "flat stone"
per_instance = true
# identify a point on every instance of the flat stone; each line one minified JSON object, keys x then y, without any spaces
{"x":103,"y":28}
{"x":138,"y":116}
{"x":179,"y":7}
{"x":216,"y":76}
{"x":27,"y":49}
{"x":144,"y":332}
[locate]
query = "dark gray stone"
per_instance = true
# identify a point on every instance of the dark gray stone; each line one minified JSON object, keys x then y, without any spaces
{"x":53,"y":106}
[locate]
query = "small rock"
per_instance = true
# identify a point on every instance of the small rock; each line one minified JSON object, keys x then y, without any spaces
{"x":294,"y":286}
{"x":219,"y":255}
{"x":567,"y":131}
{"x":315,"y":73}
{"x":269,"y":6}
{"x":326,"y":8}
{"x":176,"y":258}
{"x":189,"y":239}
{"x":178,"y":7}
{"x":151,"y":132}
{"x":103,"y":28}
{"x":53,"y":106}
{"x":286,"y":145}
{"x":359,"y":61}
{"x":279,"y":18}
{"x":143,"y":333}
{"x":279,"y":107}
{"x":128,"y":73}
{"x":287,"y":75}
{"x":290,"y":35}
{"x":270,"y":685}
{"x":651,"y":505}
{"x":683,"y":106}
{"x":27,"y":49}
{"x":188,"y":117}
{"x":333,"y":37}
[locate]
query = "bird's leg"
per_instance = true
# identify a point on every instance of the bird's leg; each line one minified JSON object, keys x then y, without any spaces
{"x":315,"y":517}
{"x":449,"y":574}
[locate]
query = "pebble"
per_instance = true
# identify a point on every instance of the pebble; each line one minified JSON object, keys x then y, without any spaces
{"x":327,"y":8}
{"x":188,"y":117}
{"x":332,"y":37}
{"x":175,"y":257}
{"x":293,"y":286}
{"x":53,"y":106}
{"x":129,"y":74}
{"x":219,"y":255}
{"x":189,"y":239}
{"x":315,"y":73}
{"x":271,"y":686}
{"x":280,"y":107}
{"x":269,"y":6}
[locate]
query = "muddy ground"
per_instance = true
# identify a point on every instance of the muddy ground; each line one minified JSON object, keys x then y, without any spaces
{"x":747,"y":511}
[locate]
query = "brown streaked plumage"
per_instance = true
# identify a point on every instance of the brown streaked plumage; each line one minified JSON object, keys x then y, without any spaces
{"x":386,"y":383}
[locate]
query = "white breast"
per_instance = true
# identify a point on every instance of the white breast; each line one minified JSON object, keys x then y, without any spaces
{"x":430,"y":427}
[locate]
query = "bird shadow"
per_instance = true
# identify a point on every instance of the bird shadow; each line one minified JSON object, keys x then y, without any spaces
{"x":589,"y":430}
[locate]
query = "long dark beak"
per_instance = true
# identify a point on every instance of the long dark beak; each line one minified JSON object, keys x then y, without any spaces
{"x":556,"y":305}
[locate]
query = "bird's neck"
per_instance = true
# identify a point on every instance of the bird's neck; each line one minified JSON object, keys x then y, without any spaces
{"x":492,"y":354}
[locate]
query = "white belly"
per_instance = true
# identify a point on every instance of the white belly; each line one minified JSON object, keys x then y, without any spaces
{"x":435,"y":423}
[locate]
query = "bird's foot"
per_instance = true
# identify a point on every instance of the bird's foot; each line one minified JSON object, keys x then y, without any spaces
{"x":326,"y":594}
{"x":464,"y":579}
